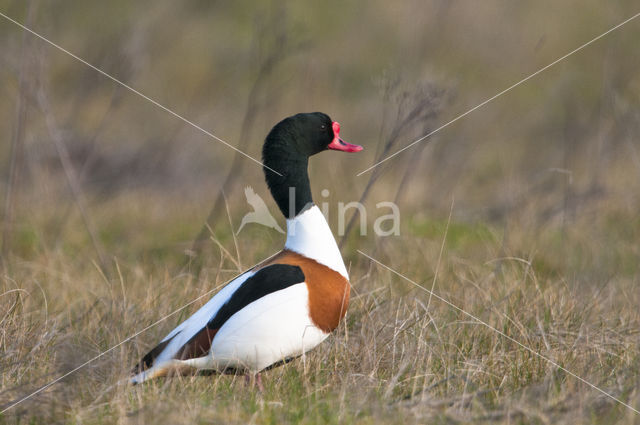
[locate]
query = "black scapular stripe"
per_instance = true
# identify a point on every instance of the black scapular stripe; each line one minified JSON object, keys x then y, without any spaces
{"x":266,"y":280}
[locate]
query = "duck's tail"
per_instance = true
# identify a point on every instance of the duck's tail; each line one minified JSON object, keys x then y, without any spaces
{"x":171,"y":367}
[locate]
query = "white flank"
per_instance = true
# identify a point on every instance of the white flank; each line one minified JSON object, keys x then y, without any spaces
{"x":309,"y":234}
{"x":272,"y":328}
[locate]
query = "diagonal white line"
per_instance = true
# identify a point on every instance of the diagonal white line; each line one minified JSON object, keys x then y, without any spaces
{"x":450,"y":304}
{"x":44,"y":387}
{"x":500,"y":94}
{"x":114,"y":79}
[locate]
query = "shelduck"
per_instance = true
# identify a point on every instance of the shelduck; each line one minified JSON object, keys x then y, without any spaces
{"x":288,"y":304}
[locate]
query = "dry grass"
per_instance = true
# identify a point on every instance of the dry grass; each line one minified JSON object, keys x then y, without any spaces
{"x":398,"y":358}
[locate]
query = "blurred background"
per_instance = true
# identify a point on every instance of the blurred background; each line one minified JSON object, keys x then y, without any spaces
{"x":114,"y":213}
{"x":92,"y":169}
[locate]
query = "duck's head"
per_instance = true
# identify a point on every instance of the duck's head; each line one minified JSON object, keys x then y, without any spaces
{"x":287,"y":149}
{"x":303,"y":135}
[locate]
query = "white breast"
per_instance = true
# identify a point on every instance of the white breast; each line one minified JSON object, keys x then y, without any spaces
{"x":309,"y":234}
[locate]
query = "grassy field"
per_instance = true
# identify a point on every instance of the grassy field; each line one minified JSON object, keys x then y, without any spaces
{"x":524,"y":215}
{"x":400,"y":357}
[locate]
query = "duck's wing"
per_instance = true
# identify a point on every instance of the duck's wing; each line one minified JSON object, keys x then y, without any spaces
{"x":170,"y":344}
{"x":193,"y":338}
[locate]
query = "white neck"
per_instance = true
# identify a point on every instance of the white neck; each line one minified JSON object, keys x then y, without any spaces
{"x":309,"y":234}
